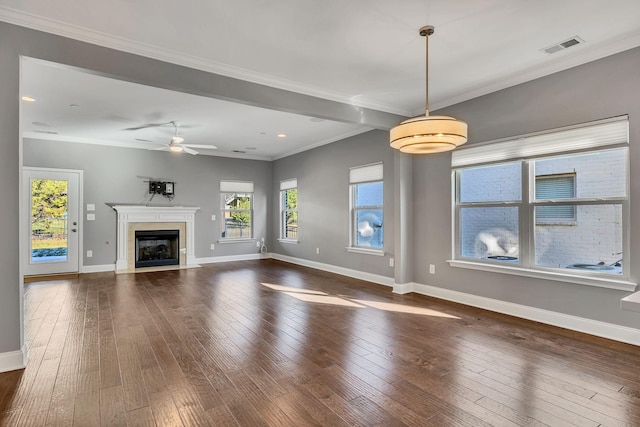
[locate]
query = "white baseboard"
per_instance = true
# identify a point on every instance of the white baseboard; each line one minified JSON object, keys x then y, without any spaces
{"x":574,"y":323}
{"x":97,"y":268}
{"x":229,"y":258}
{"x":403,"y":288}
{"x":13,"y":360}
{"x":375,"y":278}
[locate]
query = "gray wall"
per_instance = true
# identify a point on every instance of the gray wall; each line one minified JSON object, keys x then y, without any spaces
{"x":111,"y":175}
{"x":323,"y":200}
{"x":600,"y":89}
{"x":10,"y":174}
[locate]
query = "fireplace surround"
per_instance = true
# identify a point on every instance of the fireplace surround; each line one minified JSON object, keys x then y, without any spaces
{"x":132,"y":218}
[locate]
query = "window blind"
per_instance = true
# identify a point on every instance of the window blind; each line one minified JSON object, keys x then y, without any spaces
{"x":560,"y":187}
{"x":289,"y":184}
{"x":366,"y":173}
{"x":555,"y":187}
{"x":236,"y":186}
{"x":592,"y":135}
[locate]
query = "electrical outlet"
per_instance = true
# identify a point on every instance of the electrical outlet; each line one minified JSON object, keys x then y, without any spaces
{"x":213,"y":217}
{"x":391,"y":262}
{"x":317,"y":251}
{"x":213,"y":246}
{"x":89,"y":254}
{"x":91,"y":217}
{"x":257,"y":244}
{"x":91,"y":207}
{"x":432,"y":269}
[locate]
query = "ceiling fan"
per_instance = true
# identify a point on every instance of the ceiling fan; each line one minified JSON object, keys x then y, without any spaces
{"x":176,"y":144}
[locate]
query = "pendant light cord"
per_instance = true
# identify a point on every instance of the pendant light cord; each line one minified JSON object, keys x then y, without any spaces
{"x":426,"y":31}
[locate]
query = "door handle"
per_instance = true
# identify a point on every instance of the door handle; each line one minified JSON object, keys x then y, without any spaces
{"x":75,"y":223}
{"x":74,"y":230}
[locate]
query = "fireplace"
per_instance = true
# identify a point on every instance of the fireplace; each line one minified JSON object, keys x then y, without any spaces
{"x":132,"y":218}
{"x":157,"y":248}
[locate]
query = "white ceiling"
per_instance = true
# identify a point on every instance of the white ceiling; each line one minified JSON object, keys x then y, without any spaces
{"x":360,"y":52}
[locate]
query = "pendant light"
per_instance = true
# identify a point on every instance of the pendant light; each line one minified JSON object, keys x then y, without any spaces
{"x":428,"y":134}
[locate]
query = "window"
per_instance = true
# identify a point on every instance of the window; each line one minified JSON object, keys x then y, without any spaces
{"x":553,"y":187}
{"x":561,"y":206}
{"x":289,"y":210}
{"x":366,"y":207}
{"x":237,"y":209}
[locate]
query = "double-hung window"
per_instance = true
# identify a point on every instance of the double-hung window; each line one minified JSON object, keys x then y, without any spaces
{"x":554,"y":202}
{"x":236,"y":199}
{"x":289,"y":210}
{"x":366,"y":208}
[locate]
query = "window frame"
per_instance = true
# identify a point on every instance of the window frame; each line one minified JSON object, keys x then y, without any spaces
{"x":286,"y":186}
{"x":525,"y":265}
{"x":366,"y":174}
{"x":235,"y":188}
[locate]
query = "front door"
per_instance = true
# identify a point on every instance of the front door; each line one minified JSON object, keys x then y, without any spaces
{"x":52,"y":205}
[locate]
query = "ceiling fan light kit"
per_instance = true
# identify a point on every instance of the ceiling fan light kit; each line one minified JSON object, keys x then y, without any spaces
{"x":428,"y":134}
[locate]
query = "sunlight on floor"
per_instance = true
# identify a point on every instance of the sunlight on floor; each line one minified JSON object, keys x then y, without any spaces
{"x":401,"y":308}
{"x":323,"y":299}
{"x":308,"y":295}
{"x":291,"y":289}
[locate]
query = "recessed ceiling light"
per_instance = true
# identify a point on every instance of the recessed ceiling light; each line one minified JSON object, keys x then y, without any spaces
{"x":73,"y":105}
{"x":41,"y":124}
{"x":282,"y":135}
{"x":28,"y":99}
{"x":239,"y":151}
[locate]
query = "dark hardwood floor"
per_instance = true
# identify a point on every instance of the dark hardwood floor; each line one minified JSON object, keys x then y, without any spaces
{"x":267,"y":343}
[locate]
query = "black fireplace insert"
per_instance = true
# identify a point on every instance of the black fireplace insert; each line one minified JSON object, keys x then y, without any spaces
{"x":157,"y":248}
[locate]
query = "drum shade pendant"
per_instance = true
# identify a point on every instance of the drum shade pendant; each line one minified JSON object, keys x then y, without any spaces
{"x":428,"y":134}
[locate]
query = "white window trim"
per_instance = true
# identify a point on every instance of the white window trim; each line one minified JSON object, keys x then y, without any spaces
{"x":578,"y":139}
{"x":289,"y":241}
{"x":237,"y":240}
{"x":601,"y":282}
{"x":361,"y":250}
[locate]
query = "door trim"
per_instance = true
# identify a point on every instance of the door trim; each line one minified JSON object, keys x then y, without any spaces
{"x":25,"y":225}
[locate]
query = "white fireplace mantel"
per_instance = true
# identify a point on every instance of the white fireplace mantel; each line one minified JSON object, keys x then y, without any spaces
{"x":130,"y":214}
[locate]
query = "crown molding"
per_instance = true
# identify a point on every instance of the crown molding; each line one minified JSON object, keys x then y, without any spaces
{"x":537,"y":71}
{"x":40,"y":23}
{"x":133,"y":144}
{"x":340,"y":137}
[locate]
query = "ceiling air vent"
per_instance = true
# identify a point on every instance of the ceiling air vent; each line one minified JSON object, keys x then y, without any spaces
{"x":50,"y":132}
{"x":563,"y":45}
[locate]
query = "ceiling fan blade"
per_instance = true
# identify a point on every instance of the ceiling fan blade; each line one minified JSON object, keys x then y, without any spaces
{"x":165,"y":148}
{"x":189,"y":150}
{"x":148,"y":125}
{"x":208,"y":147}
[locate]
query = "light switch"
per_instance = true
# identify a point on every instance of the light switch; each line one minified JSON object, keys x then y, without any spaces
{"x":213,"y":217}
{"x":91,"y":217}
{"x":89,"y":254}
{"x":91,"y":207}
